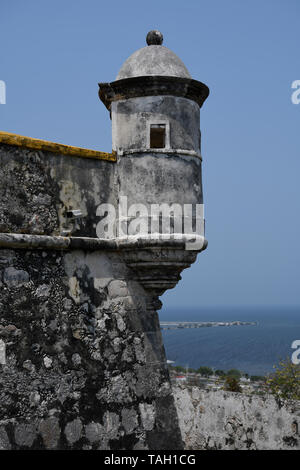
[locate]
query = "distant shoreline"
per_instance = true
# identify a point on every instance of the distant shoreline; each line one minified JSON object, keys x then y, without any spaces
{"x":175,"y":325}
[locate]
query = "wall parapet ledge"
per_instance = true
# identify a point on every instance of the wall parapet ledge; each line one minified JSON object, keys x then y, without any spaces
{"x":46,"y":146}
{"x":165,"y":151}
{"x":28,"y":241}
{"x":156,"y":263}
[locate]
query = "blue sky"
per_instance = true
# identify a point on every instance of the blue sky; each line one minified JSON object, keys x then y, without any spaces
{"x":53,"y":55}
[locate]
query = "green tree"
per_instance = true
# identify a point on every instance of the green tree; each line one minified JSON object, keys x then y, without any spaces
{"x":234,"y":373}
{"x":205,"y":371}
{"x":284,"y":383}
{"x":257,"y":378}
{"x":231,"y":384}
{"x":179,"y":368}
{"x":220,"y":373}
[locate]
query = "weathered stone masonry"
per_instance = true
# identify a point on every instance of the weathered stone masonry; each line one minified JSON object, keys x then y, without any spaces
{"x":80,"y":350}
{"x":219,"y":420}
{"x":82,"y":364}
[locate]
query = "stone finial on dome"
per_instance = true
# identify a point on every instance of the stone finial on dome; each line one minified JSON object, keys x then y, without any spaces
{"x":154,"y":38}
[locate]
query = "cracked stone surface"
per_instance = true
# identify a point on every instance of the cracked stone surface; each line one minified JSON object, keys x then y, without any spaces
{"x":219,"y":420}
{"x":84,"y":368}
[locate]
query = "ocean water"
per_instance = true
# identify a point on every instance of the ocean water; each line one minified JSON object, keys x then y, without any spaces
{"x":251,"y":349}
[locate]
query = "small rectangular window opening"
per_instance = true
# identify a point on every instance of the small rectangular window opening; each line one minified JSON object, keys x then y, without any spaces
{"x":157,"y":136}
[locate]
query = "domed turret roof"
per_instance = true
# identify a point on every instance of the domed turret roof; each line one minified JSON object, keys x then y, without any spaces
{"x":153,"y":59}
{"x":153,"y":71}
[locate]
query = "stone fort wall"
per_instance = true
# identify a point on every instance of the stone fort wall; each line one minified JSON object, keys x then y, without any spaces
{"x":82,"y":363}
{"x":219,"y":420}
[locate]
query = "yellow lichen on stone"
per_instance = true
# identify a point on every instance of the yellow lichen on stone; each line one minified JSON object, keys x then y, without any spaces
{"x":46,"y":146}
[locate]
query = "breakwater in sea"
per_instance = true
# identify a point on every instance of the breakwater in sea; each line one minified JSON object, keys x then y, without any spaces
{"x":173,"y":325}
{"x":251,"y":349}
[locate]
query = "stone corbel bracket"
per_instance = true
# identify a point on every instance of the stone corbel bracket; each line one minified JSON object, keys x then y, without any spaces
{"x":158,"y":266}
